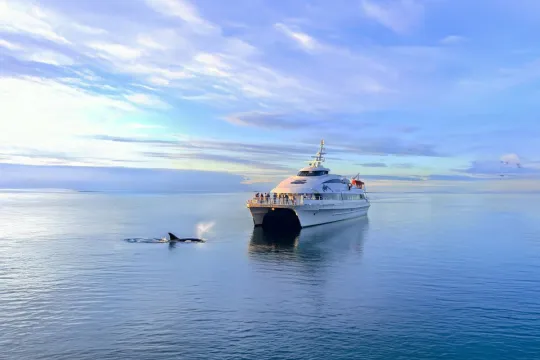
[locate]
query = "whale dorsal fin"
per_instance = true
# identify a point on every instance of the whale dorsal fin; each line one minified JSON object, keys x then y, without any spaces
{"x":173,"y":237}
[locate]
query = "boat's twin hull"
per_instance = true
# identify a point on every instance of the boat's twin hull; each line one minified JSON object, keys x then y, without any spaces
{"x":310,"y":217}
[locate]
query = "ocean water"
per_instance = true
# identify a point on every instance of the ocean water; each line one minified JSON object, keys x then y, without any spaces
{"x":434,"y":276}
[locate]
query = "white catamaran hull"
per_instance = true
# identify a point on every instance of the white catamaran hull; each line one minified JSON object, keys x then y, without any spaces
{"x":311,"y":215}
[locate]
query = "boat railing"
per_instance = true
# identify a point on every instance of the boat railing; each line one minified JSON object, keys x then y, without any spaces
{"x":296,"y":200}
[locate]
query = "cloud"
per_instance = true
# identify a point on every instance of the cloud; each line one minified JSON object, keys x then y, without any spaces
{"x":146,"y":126}
{"x":51,"y":58}
{"x":406,"y":129}
{"x":512,"y":159}
{"x":148,"y":42}
{"x":302,"y":39}
{"x":374,"y":165}
{"x":401,"y":16}
{"x":44,"y":157}
{"x":147,"y":100}
{"x":37,"y":54}
{"x":391,"y":177}
{"x":452,"y":178}
{"x":299,"y":122}
{"x":278,"y":150}
{"x":506,"y":167}
{"x":27,"y":18}
{"x":158,"y":81}
{"x":268,"y":120}
{"x":89,"y":178}
{"x":183,"y":10}
{"x":223,"y":159}
{"x":176,"y":47}
{"x":453,"y":40}
{"x":498,"y":79}
{"x":352,"y":142}
{"x":88,"y":29}
{"x":165,"y":75}
{"x":121,"y":139}
{"x":119,"y":51}
{"x":9,"y":45}
{"x":403,"y":166}
{"x":393,"y":147}
{"x":257,"y":158}
{"x":58,"y":117}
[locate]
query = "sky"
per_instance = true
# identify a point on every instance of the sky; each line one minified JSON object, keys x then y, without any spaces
{"x":422,"y":92}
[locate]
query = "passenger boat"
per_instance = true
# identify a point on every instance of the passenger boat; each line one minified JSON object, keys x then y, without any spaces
{"x":313,"y":196}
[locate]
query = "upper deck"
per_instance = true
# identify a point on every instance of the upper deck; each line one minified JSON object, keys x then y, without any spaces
{"x":315,"y":179}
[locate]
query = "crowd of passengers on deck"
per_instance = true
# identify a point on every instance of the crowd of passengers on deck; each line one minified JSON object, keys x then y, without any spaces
{"x":285,"y":198}
{"x":275,"y":198}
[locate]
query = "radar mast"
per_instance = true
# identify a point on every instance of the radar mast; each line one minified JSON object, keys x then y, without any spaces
{"x":319,"y":158}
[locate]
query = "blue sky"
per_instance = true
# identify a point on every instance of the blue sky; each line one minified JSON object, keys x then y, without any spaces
{"x":423,"y":90}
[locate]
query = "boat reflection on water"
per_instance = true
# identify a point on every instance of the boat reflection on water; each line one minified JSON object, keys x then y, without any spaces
{"x":265,"y":240}
{"x":312,"y":242}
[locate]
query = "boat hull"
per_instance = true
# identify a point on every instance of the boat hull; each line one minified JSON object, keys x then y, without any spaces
{"x":311,"y":218}
{"x":312,"y":215}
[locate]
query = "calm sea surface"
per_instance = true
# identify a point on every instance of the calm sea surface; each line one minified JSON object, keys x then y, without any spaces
{"x":422,"y":277}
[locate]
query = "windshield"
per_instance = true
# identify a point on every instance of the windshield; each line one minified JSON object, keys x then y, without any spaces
{"x":313,"y":173}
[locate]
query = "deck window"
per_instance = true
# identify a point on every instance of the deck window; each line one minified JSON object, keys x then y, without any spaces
{"x":353,"y":196}
{"x":333,"y":181}
{"x":331,"y":196}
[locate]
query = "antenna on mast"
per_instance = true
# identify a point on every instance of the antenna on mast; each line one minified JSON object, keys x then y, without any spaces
{"x":319,"y":158}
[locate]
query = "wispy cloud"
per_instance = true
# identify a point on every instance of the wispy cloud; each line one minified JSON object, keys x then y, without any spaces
{"x":147,"y":100}
{"x":270,"y":121}
{"x":452,"y":40}
{"x":304,"y":40}
{"x":112,"y":178}
{"x":393,"y":177}
{"x":88,"y":29}
{"x":205,"y":144}
{"x":393,"y":147}
{"x":9,"y":45}
{"x":194,"y":58}
{"x":511,"y":159}
{"x":352,"y":142}
{"x":254,"y":158}
{"x":183,"y":10}
{"x":509,"y":165}
{"x":401,"y":16}
{"x":119,"y":51}
{"x":146,"y":126}
{"x":500,"y":79}
{"x":374,"y":165}
{"x":30,"y":19}
{"x":51,"y":58}
{"x":223,"y":160}
{"x":403,"y":166}
{"x":148,"y":42}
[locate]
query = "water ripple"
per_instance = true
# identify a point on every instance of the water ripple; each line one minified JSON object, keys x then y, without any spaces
{"x":423,"y":277}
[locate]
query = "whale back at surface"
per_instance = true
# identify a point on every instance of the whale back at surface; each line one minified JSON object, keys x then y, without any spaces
{"x":174,"y":238}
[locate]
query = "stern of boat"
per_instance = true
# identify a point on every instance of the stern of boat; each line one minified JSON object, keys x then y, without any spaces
{"x":274,"y":214}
